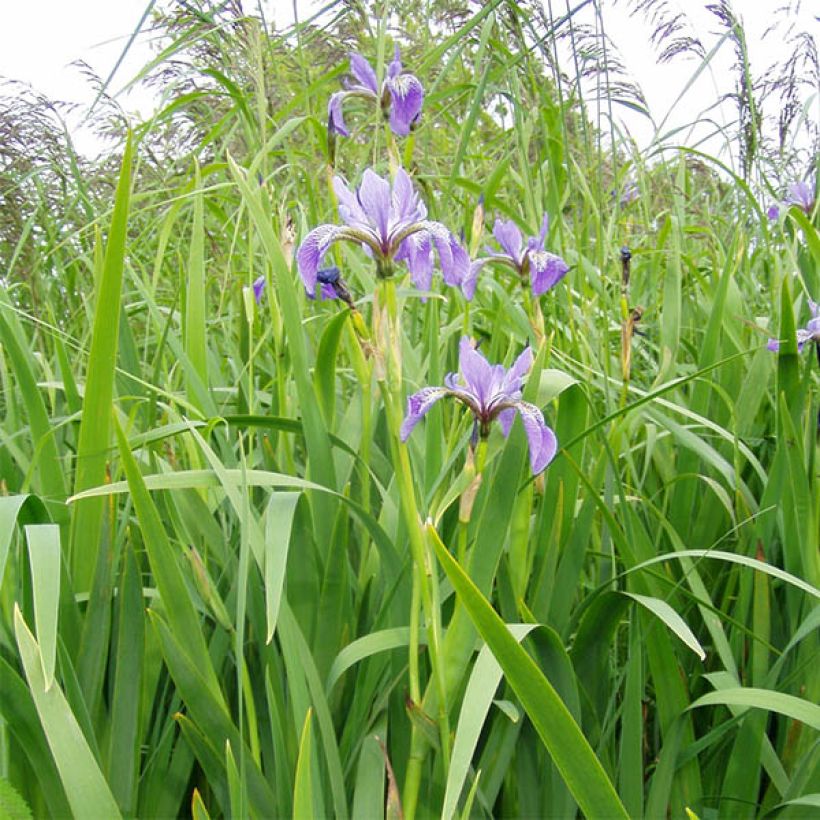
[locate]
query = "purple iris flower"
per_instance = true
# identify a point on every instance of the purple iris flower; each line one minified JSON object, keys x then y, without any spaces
{"x":544,"y":269}
{"x":258,"y":288}
{"x":809,"y":333}
{"x":391,"y":224}
{"x":630,"y":193}
{"x":801,"y":194}
{"x":401,"y":94}
{"x":490,"y":391}
{"x":773,"y":212}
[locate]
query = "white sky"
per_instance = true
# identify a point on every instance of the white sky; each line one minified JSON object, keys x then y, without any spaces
{"x":39,"y":39}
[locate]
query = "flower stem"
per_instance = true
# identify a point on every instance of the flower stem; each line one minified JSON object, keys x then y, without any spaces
{"x":386,"y":336}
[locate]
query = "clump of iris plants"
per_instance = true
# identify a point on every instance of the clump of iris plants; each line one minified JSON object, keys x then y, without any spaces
{"x":389,"y":221}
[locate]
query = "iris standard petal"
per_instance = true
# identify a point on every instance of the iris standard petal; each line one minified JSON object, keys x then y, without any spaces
{"x":509,"y":237}
{"x":521,"y":366}
{"x":375,"y":198}
{"x":476,"y":370}
{"x":394,"y":69}
{"x":407,"y":207}
{"x":546,"y":270}
{"x":349,"y":208}
{"x":406,"y":100}
{"x":335,"y":117}
{"x":417,"y":406}
{"x":363,"y":72}
{"x":541,"y":439}
{"x":542,"y":236}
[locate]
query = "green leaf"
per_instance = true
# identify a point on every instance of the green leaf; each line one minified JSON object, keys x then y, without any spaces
{"x":278,"y":524}
{"x":324,"y":376}
{"x":195,"y":343}
{"x":478,"y":696}
{"x":303,"y":782}
{"x":569,"y":749}
{"x":796,"y":708}
{"x":12,"y":805}
{"x":84,"y":784}
{"x":44,"y":555}
{"x":124,"y":740}
{"x":176,"y":600}
{"x":662,"y":610}
{"x":93,"y":447}
{"x":12,"y":508}
{"x":49,"y":466}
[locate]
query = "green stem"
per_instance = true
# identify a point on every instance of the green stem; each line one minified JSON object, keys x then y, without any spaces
{"x":390,"y":385}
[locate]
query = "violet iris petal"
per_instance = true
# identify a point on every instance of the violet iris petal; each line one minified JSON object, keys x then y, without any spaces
{"x":364,"y":73}
{"x":404,"y":92}
{"x":490,"y":391}
{"x":629,"y":194}
{"x":390,"y":222}
{"x":258,"y":288}
{"x":335,"y":117}
{"x":544,"y":269}
{"x":801,"y":194}
{"x":809,"y":333}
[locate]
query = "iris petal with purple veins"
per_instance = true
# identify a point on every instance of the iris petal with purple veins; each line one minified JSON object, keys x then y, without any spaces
{"x":809,"y":333}
{"x":400,"y":92}
{"x":543,"y":268}
{"x":390,"y":222}
{"x":491,"y":392}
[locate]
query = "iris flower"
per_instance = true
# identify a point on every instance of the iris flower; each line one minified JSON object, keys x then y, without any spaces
{"x":801,"y":194}
{"x":630,"y":193}
{"x":400,"y":94}
{"x":809,"y":333}
{"x":259,"y":288}
{"x":391,"y":223}
{"x":773,"y":212}
{"x":543,"y":268}
{"x":490,"y":391}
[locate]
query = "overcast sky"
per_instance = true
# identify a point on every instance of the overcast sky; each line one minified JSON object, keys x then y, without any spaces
{"x":39,"y":39}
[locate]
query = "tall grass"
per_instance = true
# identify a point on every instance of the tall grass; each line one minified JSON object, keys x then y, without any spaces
{"x":227,"y":589}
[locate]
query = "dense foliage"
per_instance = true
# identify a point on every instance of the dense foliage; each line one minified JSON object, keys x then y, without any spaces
{"x":233,"y":584}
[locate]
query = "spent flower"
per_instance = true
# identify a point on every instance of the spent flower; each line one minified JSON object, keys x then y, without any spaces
{"x":331,"y":286}
{"x":390,"y":223}
{"x":490,"y":391}
{"x":400,"y":96}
